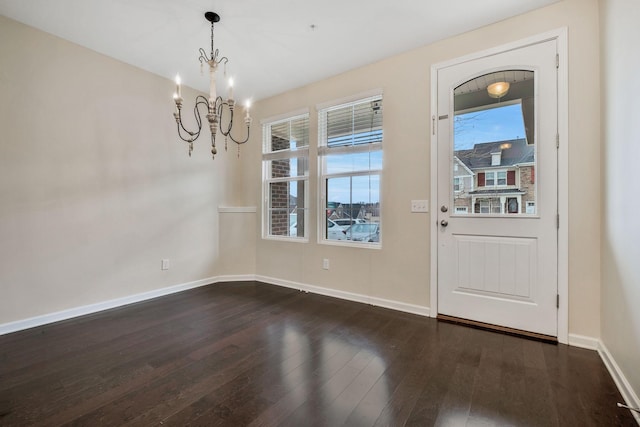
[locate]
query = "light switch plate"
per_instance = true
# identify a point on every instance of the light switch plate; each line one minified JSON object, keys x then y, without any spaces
{"x":419,"y":206}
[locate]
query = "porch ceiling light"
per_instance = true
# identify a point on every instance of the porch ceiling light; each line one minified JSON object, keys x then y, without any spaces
{"x":498,"y":89}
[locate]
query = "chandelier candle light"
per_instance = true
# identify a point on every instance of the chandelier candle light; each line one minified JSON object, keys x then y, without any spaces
{"x":217,"y":108}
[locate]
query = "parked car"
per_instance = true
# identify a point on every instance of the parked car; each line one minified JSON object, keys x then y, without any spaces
{"x":335,"y":231}
{"x":345,"y":223}
{"x":363,"y":232}
{"x":293,"y":224}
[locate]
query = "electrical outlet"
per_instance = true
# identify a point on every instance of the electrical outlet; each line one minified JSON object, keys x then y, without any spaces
{"x":165,"y":264}
{"x":419,"y":206}
{"x":325,"y":264}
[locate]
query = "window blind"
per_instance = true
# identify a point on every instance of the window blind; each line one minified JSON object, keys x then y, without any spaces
{"x":352,"y":124}
{"x":289,"y":134}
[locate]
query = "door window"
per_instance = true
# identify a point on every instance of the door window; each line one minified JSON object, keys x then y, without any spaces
{"x":494,"y":144}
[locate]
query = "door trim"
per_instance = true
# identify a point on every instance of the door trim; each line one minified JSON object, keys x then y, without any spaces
{"x":560,"y":35}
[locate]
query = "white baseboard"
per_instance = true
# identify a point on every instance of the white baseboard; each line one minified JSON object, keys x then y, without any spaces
{"x":44,"y":319}
{"x":582,"y":341}
{"x":235,"y":278}
{"x":627,"y":392}
{"x":349,"y":296}
{"x":590,"y":343}
{"x":58,"y":316}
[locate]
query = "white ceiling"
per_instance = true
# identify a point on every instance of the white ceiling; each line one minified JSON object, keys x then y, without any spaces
{"x":270,"y":44}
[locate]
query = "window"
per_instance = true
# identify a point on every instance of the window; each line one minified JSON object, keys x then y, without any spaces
{"x":457,"y":184}
{"x":285,"y":166}
{"x":350,"y":168}
{"x":488,"y":206}
{"x":495,"y":179}
{"x":531,"y":208}
{"x":496,"y":143}
{"x":462,"y":210}
{"x":490,"y":180}
{"x":502,"y":178}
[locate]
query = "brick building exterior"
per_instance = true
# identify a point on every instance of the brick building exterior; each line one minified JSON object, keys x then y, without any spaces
{"x":279,"y":191}
{"x":495,"y":178}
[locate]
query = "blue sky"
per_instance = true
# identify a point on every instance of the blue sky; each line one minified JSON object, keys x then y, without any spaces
{"x":494,"y":124}
{"x":364,"y":189}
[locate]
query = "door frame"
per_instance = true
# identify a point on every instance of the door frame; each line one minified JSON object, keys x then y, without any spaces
{"x":560,"y":36}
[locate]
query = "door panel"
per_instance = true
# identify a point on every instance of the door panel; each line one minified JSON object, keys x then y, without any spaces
{"x":497,"y":189}
{"x":496,"y":266}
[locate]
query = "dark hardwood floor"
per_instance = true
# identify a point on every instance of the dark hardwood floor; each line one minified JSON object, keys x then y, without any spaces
{"x":239,"y":354}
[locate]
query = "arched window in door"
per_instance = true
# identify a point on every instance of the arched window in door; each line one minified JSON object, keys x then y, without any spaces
{"x":494,"y":144}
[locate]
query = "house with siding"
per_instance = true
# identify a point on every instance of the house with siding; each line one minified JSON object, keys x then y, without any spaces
{"x":495,"y":178}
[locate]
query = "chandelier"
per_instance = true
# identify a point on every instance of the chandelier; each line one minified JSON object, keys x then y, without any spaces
{"x":217,"y":108}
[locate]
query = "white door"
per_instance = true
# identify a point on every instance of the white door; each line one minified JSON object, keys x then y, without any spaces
{"x":497,"y":189}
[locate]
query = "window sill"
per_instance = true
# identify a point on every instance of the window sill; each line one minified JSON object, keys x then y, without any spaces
{"x":350,"y":244}
{"x":286,"y":239}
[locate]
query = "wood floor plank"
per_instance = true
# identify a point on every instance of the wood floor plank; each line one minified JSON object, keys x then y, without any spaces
{"x":247,"y":353}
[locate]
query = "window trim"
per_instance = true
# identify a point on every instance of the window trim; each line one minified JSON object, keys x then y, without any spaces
{"x":494,"y":173}
{"x":324,"y":150}
{"x":459,"y":180}
{"x":270,"y":156}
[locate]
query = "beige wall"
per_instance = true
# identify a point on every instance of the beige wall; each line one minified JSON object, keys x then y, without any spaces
{"x":93,"y":197}
{"x":621,"y":204}
{"x":400,"y":270}
{"x":95,"y":188}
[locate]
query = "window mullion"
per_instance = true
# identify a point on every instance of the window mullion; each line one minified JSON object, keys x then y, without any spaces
{"x":346,"y":174}
{"x":288,"y":178}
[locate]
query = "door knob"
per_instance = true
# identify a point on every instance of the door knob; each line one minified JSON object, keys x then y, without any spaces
{"x":443,"y":208}
{"x":444,"y":223}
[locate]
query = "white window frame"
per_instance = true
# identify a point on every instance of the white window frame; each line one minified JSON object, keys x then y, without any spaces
{"x":494,"y":174}
{"x":459,"y":180}
{"x":461,"y":210}
{"x":493,"y":179}
{"x":324,"y":151}
{"x":498,"y":179}
{"x":267,"y":157}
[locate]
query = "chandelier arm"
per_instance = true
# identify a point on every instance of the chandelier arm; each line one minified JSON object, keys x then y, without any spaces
{"x":200,"y":100}
{"x":196,"y":114}
{"x":228,"y":134}
{"x":220,"y":112}
{"x":231,"y":136}
{"x":192,"y":135}
{"x":190,"y":139}
{"x":245,"y":140}
{"x":203,"y":56}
